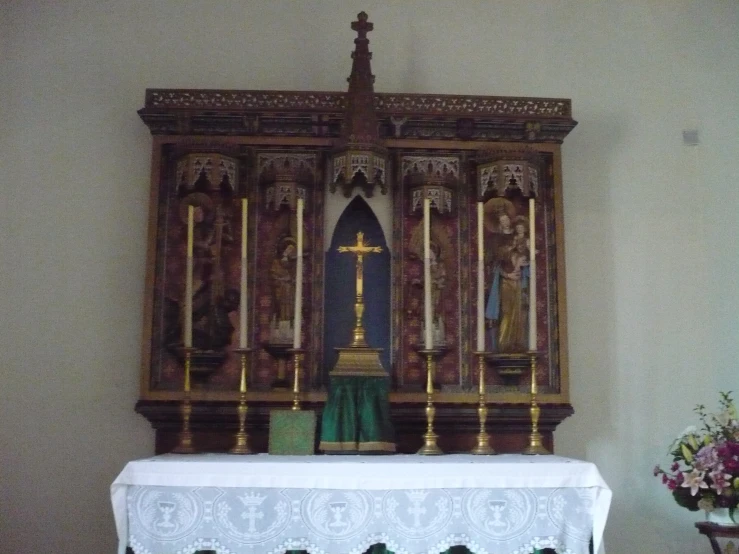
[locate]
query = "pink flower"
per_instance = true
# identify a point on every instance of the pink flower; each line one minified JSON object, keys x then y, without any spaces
{"x":720,"y":480}
{"x":674,"y":467}
{"x":694,"y":481}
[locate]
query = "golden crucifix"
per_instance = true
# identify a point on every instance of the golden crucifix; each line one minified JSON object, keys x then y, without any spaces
{"x":360,"y":250}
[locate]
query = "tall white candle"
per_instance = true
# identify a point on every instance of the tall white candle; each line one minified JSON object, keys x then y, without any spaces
{"x":532,"y":275}
{"x":428,"y":314}
{"x":242,"y":308}
{"x":298,"y":277}
{"x":480,"y":282}
{"x":187,"y":331}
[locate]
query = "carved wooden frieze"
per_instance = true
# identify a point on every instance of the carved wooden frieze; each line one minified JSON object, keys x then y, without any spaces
{"x":320,"y":114}
{"x":283,"y":101}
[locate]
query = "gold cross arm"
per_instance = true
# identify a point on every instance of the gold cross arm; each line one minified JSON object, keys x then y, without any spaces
{"x":361,"y":248}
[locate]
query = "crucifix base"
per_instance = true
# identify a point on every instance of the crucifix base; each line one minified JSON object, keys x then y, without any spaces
{"x":359,"y":361}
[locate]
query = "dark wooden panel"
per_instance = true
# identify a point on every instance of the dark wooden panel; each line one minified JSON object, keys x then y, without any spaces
{"x":214,"y":425}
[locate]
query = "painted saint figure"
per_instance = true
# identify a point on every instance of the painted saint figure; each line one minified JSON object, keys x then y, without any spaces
{"x":212,"y":298}
{"x":438,"y":247}
{"x":507,"y":304}
{"x":282,"y":273}
{"x":438,"y":283}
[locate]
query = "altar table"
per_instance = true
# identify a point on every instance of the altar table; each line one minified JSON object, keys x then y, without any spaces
{"x":505,"y":504}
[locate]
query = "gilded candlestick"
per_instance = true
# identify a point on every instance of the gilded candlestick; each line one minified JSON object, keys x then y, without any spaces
{"x":535,"y":439}
{"x":185,"y":445}
{"x":429,"y":448}
{"x":242,"y":439}
{"x":483,"y":439}
{"x":297,"y":359}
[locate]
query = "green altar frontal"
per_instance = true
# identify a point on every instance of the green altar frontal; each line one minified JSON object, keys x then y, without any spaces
{"x":356,"y":417}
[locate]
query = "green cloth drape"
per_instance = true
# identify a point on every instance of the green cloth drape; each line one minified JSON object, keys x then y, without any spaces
{"x":356,"y":417}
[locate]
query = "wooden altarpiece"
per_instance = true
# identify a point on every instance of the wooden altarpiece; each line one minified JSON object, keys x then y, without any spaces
{"x":211,"y":148}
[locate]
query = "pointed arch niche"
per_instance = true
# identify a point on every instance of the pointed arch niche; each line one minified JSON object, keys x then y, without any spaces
{"x":340,"y":285}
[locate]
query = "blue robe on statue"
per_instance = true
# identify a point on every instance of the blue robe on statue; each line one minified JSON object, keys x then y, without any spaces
{"x":496,"y":300}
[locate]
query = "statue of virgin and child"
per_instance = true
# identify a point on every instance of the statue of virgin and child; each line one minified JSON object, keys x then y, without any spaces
{"x":508,"y":252}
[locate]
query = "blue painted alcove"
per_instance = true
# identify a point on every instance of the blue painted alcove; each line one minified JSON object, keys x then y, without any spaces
{"x":340,"y":290}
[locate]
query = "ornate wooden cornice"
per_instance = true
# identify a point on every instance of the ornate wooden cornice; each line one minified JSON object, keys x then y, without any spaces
{"x":319,"y":114}
{"x":334,"y":102}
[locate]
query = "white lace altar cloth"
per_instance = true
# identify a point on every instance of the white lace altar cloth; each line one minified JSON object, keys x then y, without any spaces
{"x":506,"y":504}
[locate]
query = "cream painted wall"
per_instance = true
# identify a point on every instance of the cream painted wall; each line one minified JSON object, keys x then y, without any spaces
{"x":335,"y":204}
{"x":651,"y":225}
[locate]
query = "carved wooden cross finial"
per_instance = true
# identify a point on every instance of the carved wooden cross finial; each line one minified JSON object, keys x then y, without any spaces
{"x":362,"y":26}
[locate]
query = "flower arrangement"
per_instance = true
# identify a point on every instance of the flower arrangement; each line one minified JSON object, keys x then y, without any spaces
{"x":704,"y":474}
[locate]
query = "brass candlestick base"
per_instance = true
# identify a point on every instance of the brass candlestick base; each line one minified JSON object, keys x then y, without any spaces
{"x":483,"y":447}
{"x":242,"y":439}
{"x":535,"y":439}
{"x":430,"y":448}
{"x":297,"y":359}
{"x":184,"y":446}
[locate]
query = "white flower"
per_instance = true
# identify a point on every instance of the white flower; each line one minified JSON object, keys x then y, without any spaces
{"x":694,"y":481}
{"x":689,"y":430}
{"x":724,"y":418}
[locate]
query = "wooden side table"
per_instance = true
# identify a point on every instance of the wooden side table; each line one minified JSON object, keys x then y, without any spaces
{"x":713,"y":532}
